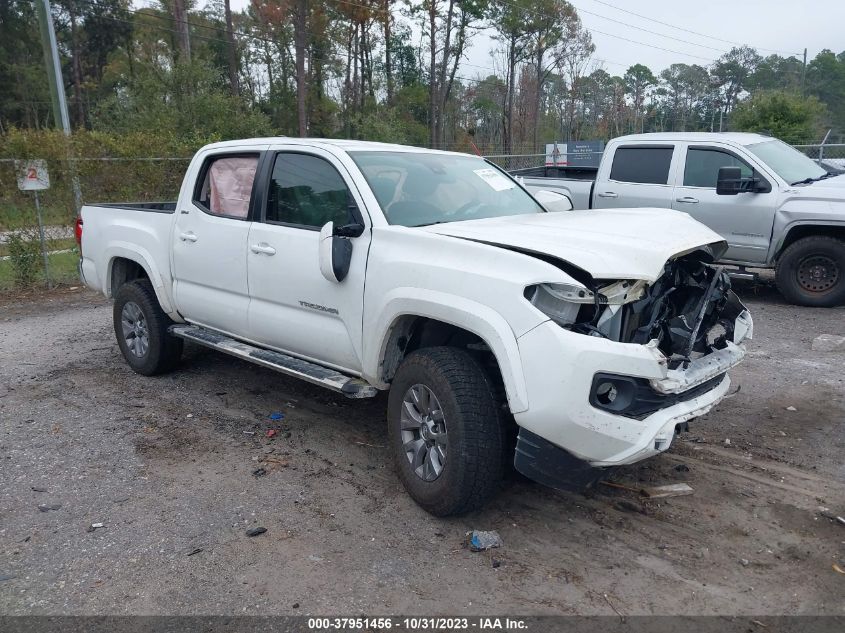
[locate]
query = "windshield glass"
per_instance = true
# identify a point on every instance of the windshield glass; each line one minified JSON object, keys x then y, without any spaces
{"x":415,"y":189}
{"x":786,"y":161}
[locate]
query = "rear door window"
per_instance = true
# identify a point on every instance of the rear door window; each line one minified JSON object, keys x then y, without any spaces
{"x":646,"y":165}
{"x":225,"y":185}
{"x":702,"y":167}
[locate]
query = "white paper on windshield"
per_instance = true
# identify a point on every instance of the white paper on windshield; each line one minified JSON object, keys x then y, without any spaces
{"x":495,"y":179}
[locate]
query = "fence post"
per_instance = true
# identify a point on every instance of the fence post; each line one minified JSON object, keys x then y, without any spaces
{"x":43,"y":241}
{"x":821,"y":147}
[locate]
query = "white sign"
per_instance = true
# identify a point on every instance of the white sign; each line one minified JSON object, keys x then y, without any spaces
{"x":32,"y":175}
{"x":555,"y":154}
{"x":495,"y":179}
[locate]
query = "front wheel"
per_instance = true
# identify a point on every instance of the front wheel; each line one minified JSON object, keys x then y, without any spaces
{"x":445,"y":431}
{"x":811,"y":272}
{"x":140,"y":326}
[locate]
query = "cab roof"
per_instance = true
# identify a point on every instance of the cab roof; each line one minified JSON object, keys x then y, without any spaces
{"x":741,"y":138}
{"x":346,"y":145}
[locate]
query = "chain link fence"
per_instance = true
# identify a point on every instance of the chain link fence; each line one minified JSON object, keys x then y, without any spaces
{"x":22,"y":263}
{"x":831,"y":156}
{"x":158,"y":179}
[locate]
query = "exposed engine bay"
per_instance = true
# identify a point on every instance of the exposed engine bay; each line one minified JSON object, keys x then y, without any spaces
{"x":690,"y":310}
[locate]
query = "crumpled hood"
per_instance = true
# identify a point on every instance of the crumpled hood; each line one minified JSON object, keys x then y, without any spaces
{"x":607,"y":243}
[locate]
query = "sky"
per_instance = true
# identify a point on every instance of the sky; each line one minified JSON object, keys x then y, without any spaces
{"x":623,"y":39}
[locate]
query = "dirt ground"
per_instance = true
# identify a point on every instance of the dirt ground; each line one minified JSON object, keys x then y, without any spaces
{"x":166,"y":464}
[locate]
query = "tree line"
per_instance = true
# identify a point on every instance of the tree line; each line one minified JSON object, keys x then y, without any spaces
{"x":391,"y":70}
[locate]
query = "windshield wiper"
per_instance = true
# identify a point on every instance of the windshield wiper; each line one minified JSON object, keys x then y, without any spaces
{"x":807,"y":181}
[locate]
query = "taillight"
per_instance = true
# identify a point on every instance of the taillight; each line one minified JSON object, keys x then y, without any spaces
{"x":77,"y":232}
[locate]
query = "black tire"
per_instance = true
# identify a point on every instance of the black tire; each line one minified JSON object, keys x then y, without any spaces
{"x":811,"y":272}
{"x":162,"y":353}
{"x":472,"y":471}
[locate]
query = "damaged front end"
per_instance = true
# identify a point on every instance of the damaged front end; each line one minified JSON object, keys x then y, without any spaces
{"x":688,"y":313}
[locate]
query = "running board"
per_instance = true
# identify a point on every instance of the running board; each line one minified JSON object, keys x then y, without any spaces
{"x":741,"y":273}
{"x":282,"y":363}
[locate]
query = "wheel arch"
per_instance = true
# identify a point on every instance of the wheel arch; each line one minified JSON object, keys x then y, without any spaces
{"x":434,"y":319}
{"x":127,"y":264}
{"x":800,"y":230}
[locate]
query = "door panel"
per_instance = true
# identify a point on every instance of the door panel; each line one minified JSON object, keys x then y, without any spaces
{"x":639,"y":177}
{"x":293,"y":307}
{"x":210,"y":244}
{"x":738,"y":219}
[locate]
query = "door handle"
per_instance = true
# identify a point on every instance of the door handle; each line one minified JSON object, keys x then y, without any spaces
{"x":607,"y":194}
{"x":687,"y":200}
{"x":190,"y":236}
{"x":262,"y":249}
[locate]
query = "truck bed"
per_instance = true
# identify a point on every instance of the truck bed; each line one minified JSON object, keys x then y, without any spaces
{"x":578,"y":190}
{"x":564,"y":172}
{"x":120,"y":231}
{"x":153,"y":207}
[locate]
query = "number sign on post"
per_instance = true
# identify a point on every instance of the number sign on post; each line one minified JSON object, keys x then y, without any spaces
{"x":33,"y":176}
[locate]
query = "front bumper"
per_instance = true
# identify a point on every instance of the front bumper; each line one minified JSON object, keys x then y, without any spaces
{"x":559,"y":368}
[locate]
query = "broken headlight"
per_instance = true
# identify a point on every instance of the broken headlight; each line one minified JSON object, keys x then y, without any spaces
{"x":563,"y":302}
{"x":559,"y":302}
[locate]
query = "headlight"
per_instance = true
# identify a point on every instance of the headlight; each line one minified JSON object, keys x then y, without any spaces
{"x":561,"y":302}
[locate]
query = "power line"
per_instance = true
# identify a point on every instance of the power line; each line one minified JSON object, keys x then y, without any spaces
{"x":639,"y":28}
{"x":340,"y":54}
{"x":545,"y":15}
{"x":680,"y":28}
{"x":660,"y":48}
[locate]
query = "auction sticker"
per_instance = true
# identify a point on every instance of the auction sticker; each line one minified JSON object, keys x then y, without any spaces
{"x":495,"y":179}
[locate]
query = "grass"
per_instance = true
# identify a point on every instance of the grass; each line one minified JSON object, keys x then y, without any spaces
{"x":14,"y":216}
{"x":62,"y":271}
{"x":52,"y":245}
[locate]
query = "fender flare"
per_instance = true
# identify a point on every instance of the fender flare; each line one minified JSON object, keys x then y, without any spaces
{"x":777,"y":247}
{"x":145,"y":260}
{"x":474,"y":317}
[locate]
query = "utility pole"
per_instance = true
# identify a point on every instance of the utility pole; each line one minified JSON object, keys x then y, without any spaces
{"x":57,"y":85}
{"x":53,"y":64}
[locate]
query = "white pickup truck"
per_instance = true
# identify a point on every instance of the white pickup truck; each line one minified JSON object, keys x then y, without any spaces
{"x":774,"y":207}
{"x":364,"y":267}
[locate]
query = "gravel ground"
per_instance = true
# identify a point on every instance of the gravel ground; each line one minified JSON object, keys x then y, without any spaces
{"x":166,"y":464}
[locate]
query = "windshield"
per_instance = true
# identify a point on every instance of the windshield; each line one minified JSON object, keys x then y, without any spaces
{"x":415,"y":189}
{"x":786,"y":161}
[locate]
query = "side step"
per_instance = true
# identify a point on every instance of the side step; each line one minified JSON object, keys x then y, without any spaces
{"x":741,"y":273}
{"x":282,"y":363}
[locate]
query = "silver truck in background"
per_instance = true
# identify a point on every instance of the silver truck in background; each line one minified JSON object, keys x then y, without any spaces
{"x":774,"y":206}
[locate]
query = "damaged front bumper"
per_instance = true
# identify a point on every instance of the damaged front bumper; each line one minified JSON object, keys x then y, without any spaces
{"x":699,"y":371}
{"x":560,"y":369}
{"x":609,"y":403}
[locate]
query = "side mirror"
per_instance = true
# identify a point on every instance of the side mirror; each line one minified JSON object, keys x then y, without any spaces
{"x":729,"y":181}
{"x":336,"y":250}
{"x":552,"y":201}
{"x":349,"y":230}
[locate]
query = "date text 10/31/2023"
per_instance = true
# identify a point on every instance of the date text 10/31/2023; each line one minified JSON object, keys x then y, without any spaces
{"x":417,"y":624}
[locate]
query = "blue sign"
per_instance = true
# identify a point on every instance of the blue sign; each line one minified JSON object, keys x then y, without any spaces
{"x":584,"y":153}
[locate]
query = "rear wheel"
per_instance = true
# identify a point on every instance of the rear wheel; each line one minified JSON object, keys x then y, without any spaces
{"x":811,"y":272}
{"x":445,"y":430}
{"x":140,"y":326}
